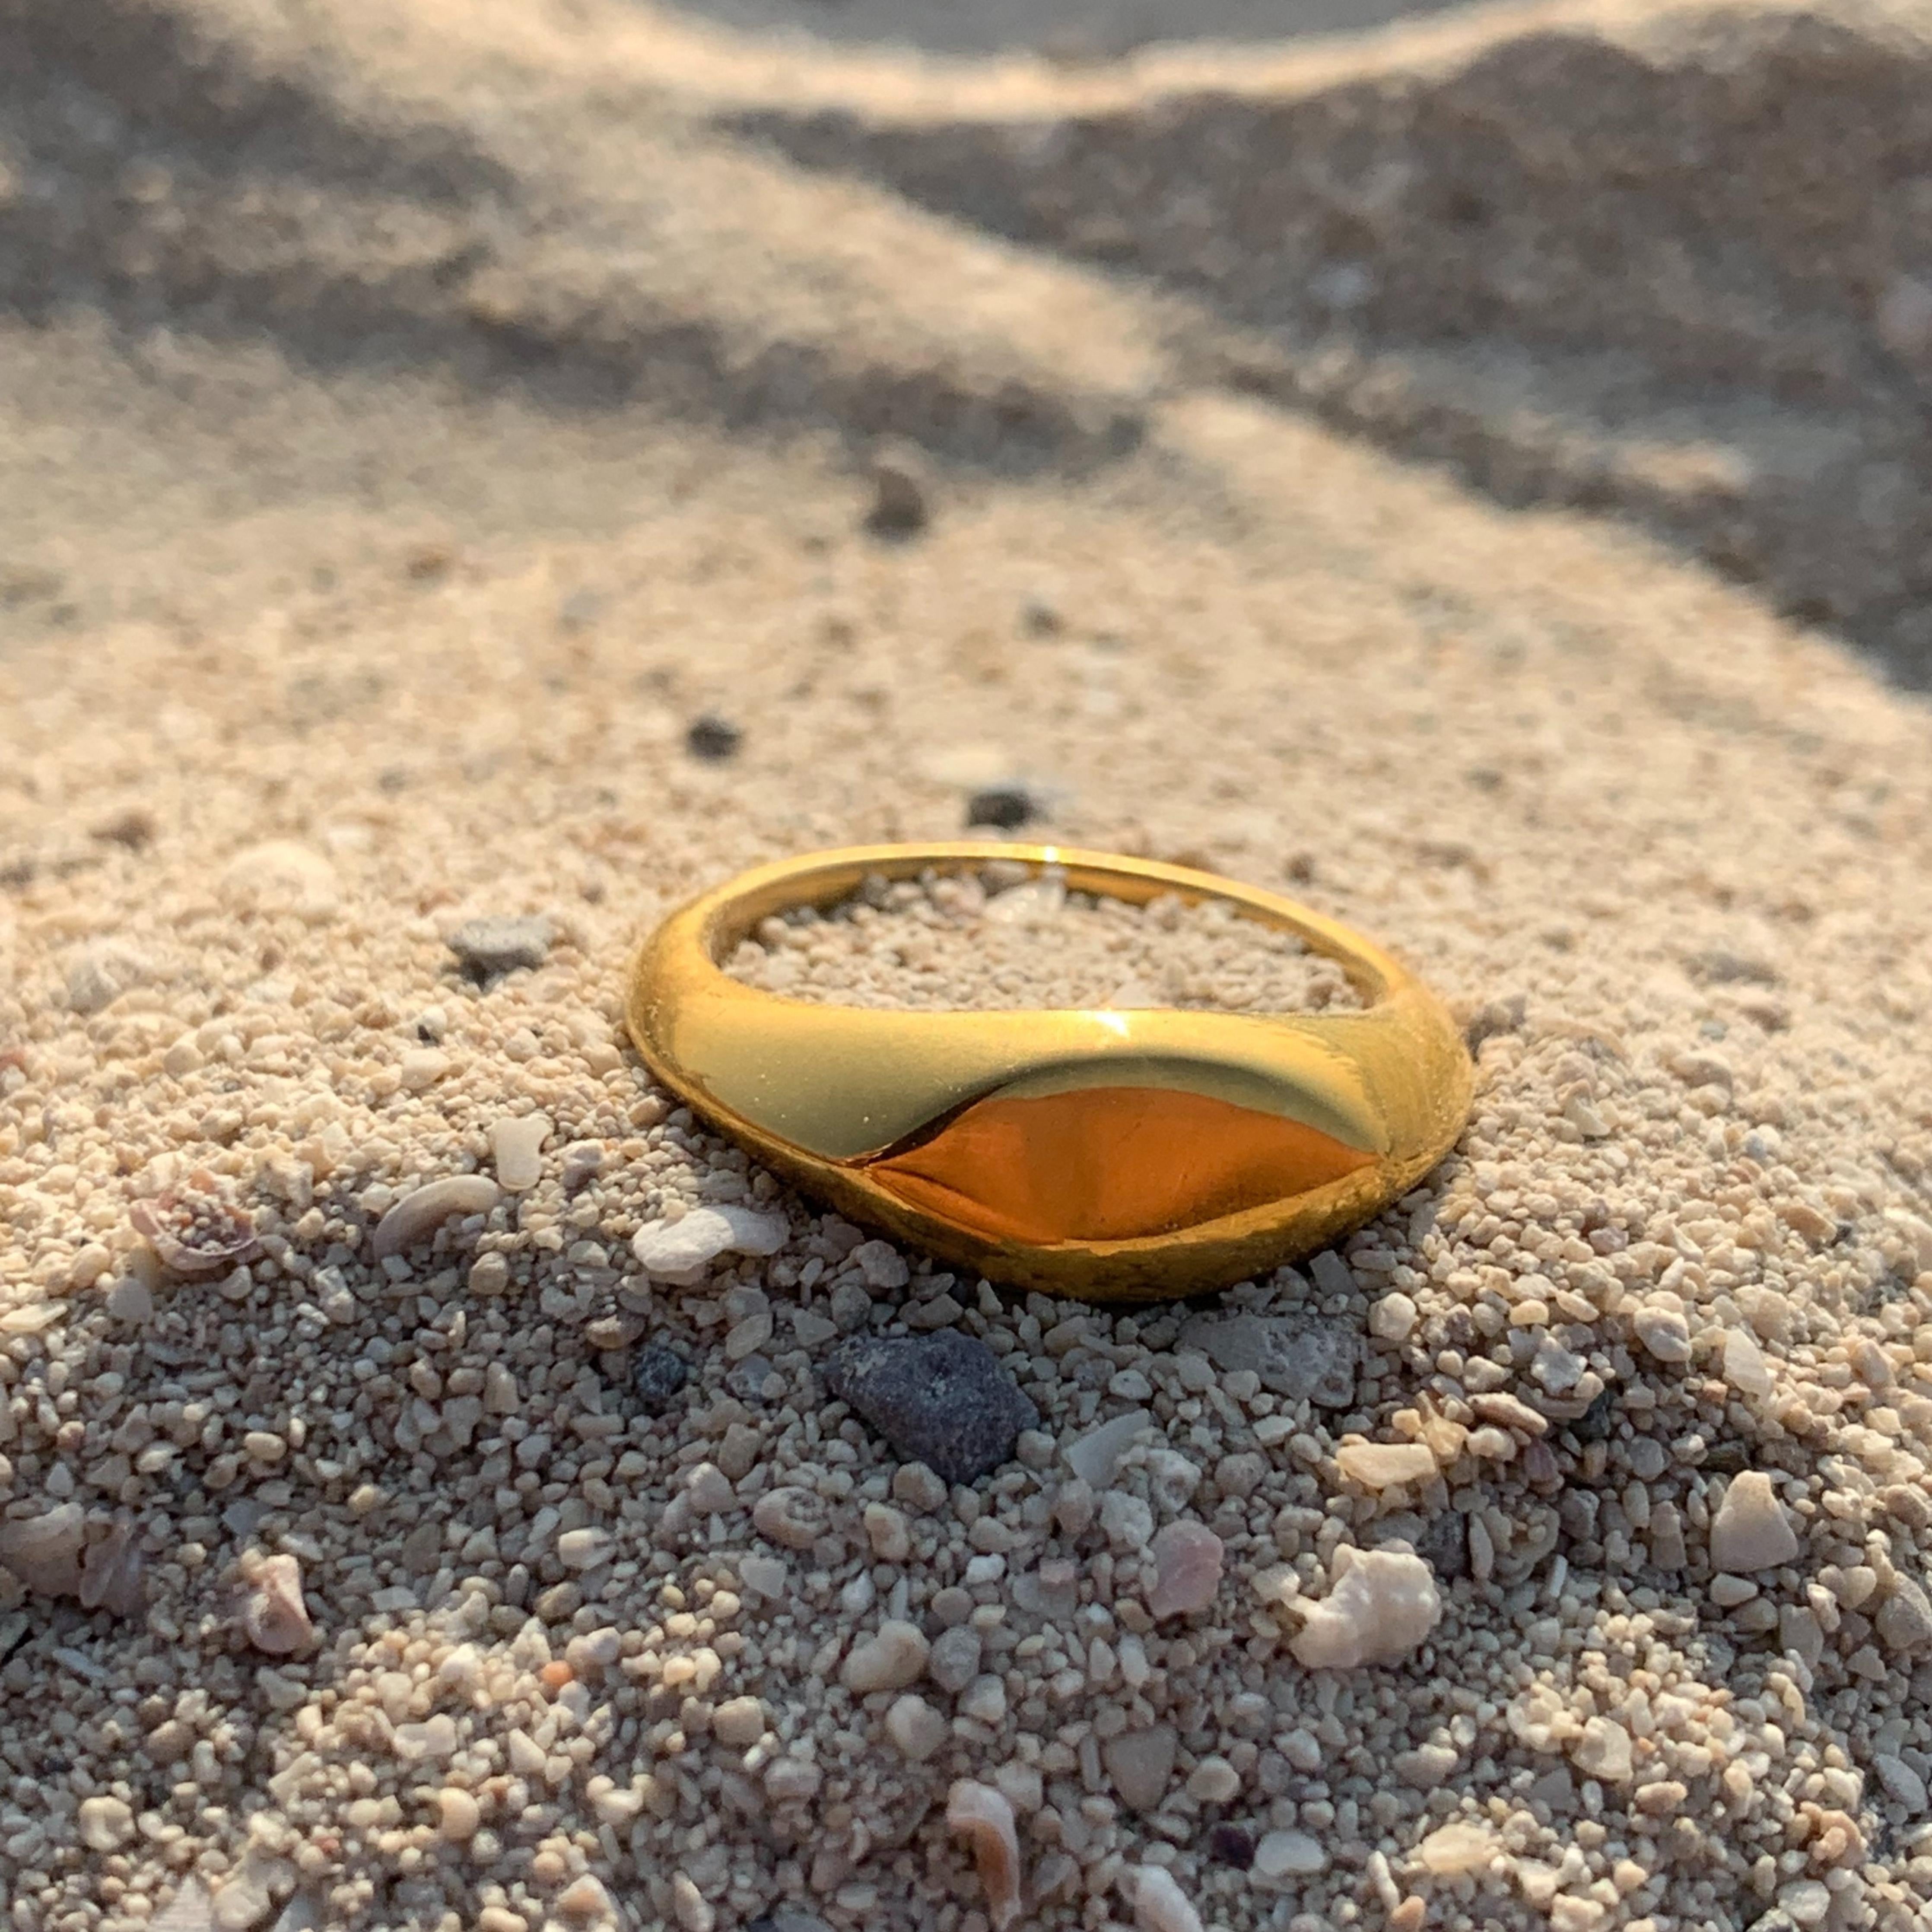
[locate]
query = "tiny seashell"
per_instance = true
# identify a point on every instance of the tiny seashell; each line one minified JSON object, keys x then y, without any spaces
{"x":113,"y":1573}
{"x":423,"y":1209}
{"x":984,"y":1816}
{"x":274,"y":1619}
{"x":44,"y":1551}
{"x":194,"y":1230}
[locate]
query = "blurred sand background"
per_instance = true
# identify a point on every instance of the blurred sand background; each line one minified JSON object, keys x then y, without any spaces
{"x":1470,"y":469}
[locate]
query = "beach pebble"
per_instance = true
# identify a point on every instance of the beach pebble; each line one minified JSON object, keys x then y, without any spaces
{"x":739,"y":1721}
{"x":1189,"y":1555}
{"x":942,"y":1399}
{"x":516,"y":1146}
{"x":1141,"y":1764}
{"x":421,"y":1069}
{"x":1750,"y":1530}
{"x":1901,"y":1782}
{"x":1125,"y":1519}
{"x":886,"y":1532}
{"x":679,"y":1252}
{"x":1380,"y":1465}
{"x":881,"y":1263}
{"x":1281,"y":1854}
{"x":915,"y":1728}
{"x":274,"y":1617}
{"x":97,"y":975}
{"x":130,"y":1301}
{"x":890,"y":1660}
{"x":459,"y":1815}
{"x":712,"y":739}
{"x":1095,"y":1457}
{"x":245,"y":1899}
{"x":44,"y":1551}
{"x":1744,"y":1367}
{"x":1004,"y":808}
{"x":1458,"y":1848}
{"x":1301,"y":1357}
{"x":585,"y":1549}
{"x":984,"y":1701}
{"x":658,"y":1377}
{"x":1381,"y":1604}
{"x":1904,"y":1620}
{"x":280,"y":877}
{"x":105,"y":1824}
{"x":954,"y":1660}
{"x":1603,"y":1751}
{"x":422,"y":1211}
{"x":1160,"y":1903}
{"x":1393,"y":1317}
{"x":1661,"y":1328}
{"x":494,"y":945}
{"x":900,"y":492}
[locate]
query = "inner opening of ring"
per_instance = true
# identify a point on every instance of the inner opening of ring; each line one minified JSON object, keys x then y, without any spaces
{"x":1009,"y":936}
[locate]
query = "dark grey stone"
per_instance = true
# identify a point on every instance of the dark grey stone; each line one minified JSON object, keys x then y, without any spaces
{"x":901,"y":507}
{"x":658,"y":1377}
{"x":491,"y":947}
{"x":942,"y":1399}
{"x":713,"y":739}
{"x":1005,"y":808}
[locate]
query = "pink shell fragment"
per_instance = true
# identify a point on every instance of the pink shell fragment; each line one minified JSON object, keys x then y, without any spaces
{"x":1189,"y":1555}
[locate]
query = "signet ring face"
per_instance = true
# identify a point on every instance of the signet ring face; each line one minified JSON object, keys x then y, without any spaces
{"x":1132,"y":1155}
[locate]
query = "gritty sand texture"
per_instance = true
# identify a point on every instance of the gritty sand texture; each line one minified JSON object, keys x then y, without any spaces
{"x":988,"y":943}
{"x":413,"y":419}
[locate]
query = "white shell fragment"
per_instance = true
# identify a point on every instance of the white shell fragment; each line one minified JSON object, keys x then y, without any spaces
{"x":984,"y":1817}
{"x":1384,"y":1602}
{"x":516,"y":1146}
{"x":422,"y":1211}
{"x":679,"y":1252}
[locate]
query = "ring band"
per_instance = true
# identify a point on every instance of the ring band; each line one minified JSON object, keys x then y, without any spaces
{"x":1136,"y":1155}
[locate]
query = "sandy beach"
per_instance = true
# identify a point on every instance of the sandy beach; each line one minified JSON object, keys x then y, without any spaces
{"x":1466,"y":471}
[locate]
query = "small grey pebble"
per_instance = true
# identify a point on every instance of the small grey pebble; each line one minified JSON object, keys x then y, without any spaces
{"x":788,"y":1918}
{"x":657,"y":1378}
{"x":713,"y":738}
{"x":851,"y":1305}
{"x":491,"y":947}
{"x":900,"y":506}
{"x":1005,"y":808}
{"x":953,"y":1661}
{"x":943,"y":1399}
{"x":1038,"y":618}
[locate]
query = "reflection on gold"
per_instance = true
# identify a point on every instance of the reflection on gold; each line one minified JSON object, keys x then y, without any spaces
{"x":1109,"y":1164}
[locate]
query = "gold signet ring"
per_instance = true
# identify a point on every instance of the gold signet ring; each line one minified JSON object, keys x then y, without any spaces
{"x":1136,"y":1155}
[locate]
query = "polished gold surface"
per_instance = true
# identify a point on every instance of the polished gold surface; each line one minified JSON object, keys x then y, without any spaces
{"x":1136,"y":1155}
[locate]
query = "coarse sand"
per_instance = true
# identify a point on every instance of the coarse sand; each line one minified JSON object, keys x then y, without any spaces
{"x":981,"y":942}
{"x":413,"y":420}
